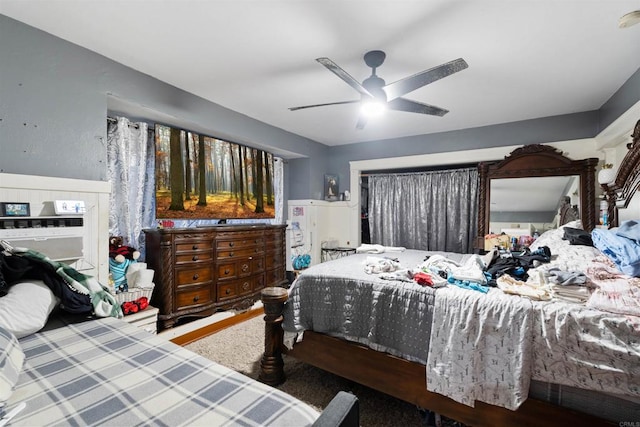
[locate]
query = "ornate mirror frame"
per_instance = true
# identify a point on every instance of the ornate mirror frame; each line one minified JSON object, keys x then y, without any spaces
{"x":620,"y":192}
{"x":537,"y":160}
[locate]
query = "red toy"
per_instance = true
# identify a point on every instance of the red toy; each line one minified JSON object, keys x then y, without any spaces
{"x":131,"y":307}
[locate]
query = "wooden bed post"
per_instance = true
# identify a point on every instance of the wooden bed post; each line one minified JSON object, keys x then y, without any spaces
{"x":272,"y":365}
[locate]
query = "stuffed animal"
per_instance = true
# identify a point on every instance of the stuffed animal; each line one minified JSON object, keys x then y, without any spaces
{"x":119,"y":252}
{"x":131,"y":307}
{"x":120,"y":258}
{"x":118,"y":272}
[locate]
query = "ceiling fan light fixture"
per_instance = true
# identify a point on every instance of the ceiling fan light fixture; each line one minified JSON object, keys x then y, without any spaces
{"x":629,"y":19}
{"x":376,"y":96}
{"x":373,"y":108}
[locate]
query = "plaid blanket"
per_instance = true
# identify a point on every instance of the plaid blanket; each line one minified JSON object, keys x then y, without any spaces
{"x":108,"y":372}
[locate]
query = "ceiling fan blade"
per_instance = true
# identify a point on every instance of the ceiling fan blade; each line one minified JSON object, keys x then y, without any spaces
{"x":408,"y":84}
{"x":362,"y":121}
{"x":402,"y":104}
{"x":346,"y":77}
{"x":322,"y":105}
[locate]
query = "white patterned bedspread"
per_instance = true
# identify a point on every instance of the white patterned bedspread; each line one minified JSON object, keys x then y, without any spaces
{"x":480,"y":347}
{"x":108,"y":372}
{"x":586,"y":348}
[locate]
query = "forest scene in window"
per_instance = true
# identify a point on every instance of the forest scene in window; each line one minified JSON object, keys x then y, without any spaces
{"x":200,"y":177}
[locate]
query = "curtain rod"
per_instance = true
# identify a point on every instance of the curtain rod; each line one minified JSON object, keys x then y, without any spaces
{"x":411,"y":170}
{"x":113,"y":120}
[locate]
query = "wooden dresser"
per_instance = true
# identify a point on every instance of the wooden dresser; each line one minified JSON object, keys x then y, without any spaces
{"x":199,"y":271}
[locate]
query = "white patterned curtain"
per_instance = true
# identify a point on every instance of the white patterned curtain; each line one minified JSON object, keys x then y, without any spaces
{"x":278,"y":189}
{"x":434,"y":210}
{"x":130,"y":168}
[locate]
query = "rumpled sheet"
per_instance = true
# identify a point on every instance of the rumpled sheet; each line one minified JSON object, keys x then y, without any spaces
{"x":480,"y":347}
{"x":340,"y":299}
{"x":586,"y":348}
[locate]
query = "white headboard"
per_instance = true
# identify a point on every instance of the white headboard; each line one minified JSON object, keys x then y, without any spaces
{"x":90,"y":241}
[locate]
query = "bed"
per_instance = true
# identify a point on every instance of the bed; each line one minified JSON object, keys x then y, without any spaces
{"x":479,"y":358}
{"x":58,"y":368}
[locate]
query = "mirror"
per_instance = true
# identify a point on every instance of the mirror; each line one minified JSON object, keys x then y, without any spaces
{"x":523,"y":174}
{"x":538,"y":211}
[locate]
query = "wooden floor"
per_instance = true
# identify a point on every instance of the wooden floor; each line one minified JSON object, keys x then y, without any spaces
{"x":211,"y":329}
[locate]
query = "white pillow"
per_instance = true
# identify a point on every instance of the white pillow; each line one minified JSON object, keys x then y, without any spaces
{"x":26,"y":307}
{"x":565,"y":256}
{"x":11,"y":360}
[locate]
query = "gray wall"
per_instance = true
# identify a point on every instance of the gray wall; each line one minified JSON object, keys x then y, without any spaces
{"x":557,"y":128}
{"x":54,"y":102}
{"x":55,"y":96}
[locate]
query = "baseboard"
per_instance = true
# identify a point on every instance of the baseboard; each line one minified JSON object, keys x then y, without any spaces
{"x":212,"y":328}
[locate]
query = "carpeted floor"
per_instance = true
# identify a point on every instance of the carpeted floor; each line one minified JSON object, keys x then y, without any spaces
{"x":240,"y":347}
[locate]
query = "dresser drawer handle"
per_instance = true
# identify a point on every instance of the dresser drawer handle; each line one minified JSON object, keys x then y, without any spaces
{"x":196,"y":298}
{"x":246,"y":286}
{"x":195,"y":258}
{"x":245,"y":268}
{"x":231,"y":244}
{"x":196,"y":276}
{"x":194,"y":247}
{"x":231,"y":254}
{"x":227,"y":271}
{"x":227,"y":291}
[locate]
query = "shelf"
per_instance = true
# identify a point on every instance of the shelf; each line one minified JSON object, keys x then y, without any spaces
{"x":328,"y":254}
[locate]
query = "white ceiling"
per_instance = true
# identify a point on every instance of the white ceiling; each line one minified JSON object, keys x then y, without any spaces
{"x":527,"y":58}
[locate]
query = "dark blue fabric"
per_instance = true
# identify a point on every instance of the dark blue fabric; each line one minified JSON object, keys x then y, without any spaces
{"x":16,"y":268}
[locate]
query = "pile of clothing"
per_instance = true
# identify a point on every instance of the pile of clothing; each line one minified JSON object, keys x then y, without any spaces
{"x":78,"y":293}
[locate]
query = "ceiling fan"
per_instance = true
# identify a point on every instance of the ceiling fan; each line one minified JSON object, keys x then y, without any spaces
{"x":376,"y":94}
{"x":631,"y":18}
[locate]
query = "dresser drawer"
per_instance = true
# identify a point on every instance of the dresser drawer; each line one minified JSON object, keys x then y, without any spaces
{"x":272,"y":240}
{"x":239,"y":253}
{"x":257,"y":265}
{"x":238,"y":288}
{"x":240,"y":268}
{"x":193,"y":275}
{"x":227,"y":270}
{"x":193,"y":297}
{"x":200,"y":245}
{"x":239,"y":240}
{"x":193,"y":257}
{"x":275,"y":277}
{"x":274,"y":259}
